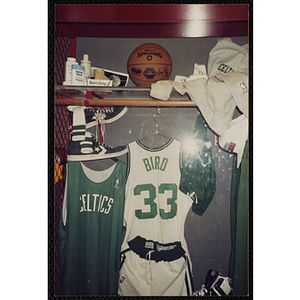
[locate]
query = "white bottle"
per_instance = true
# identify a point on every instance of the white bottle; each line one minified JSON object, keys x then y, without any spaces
{"x":68,"y":69}
{"x":87,"y":67}
{"x":77,"y":75}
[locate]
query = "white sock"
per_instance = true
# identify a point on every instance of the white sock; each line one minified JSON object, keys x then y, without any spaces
{"x":79,"y":124}
{"x":87,"y":144}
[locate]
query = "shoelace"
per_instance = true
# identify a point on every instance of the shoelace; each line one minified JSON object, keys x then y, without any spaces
{"x":107,"y":109}
{"x":201,"y":292}
{"x":99,"y":116}
{"x":148,"y":257}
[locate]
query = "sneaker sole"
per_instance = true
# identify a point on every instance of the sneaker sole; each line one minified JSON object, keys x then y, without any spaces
{"x":86,"y":157}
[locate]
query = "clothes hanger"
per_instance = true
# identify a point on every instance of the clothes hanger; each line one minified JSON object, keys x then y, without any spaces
{"x":156,"y":132}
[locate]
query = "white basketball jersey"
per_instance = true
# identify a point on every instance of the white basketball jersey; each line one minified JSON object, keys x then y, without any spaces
{"x":155,"y":259}
{"x":155,"y":208}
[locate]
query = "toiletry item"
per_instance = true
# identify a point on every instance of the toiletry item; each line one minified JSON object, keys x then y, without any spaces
{"x":87,"y":67}
{"x":77,"y":75}
{"x":68,"y":69}
{"x":99,"y":82}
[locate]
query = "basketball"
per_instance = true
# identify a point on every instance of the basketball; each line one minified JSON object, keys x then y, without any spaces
{"x":149,"y":63}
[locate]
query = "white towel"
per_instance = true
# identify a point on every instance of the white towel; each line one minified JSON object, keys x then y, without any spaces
{"x":237,"y":82}
{"x":226,"y":87}
{"x":162,"y":89}
{"x":218,"y":97}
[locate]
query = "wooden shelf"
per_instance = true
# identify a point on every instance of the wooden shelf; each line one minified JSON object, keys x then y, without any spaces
{"x":123,"y":102}
{"x":111,"y":96}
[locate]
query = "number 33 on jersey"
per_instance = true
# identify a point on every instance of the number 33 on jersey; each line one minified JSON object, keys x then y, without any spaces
{"x":152,"y":194}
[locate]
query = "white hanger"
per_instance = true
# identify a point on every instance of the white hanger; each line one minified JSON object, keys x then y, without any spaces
{"x":156,"y":131}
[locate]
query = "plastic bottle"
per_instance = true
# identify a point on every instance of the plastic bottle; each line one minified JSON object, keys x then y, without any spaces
{"x":87,"y":67}
{"x":68,"y":69}
{"x":77,"y":75}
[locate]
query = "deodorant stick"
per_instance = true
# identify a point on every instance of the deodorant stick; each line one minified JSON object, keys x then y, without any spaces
{"x":77,"y":75}
{"x":68,"y":69}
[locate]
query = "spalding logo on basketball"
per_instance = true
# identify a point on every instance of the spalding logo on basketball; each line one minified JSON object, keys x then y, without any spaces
{"x":149,"y":63}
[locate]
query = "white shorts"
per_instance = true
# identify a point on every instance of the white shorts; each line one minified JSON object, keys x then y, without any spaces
{"x":151,"y":276}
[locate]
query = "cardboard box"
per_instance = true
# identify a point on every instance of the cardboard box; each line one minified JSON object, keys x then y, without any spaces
{"x":118,"y":78}
{"x":99,"y":82}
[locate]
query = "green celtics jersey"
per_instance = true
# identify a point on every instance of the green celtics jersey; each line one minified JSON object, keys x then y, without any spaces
{"x":91,"y":231}
{"x":198,"y":177}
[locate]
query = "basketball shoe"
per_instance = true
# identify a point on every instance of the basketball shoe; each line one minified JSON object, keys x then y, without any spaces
{"x":90,"y":149}
{"x":102,"y":115}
